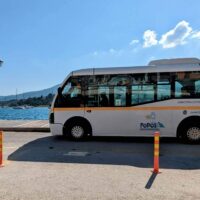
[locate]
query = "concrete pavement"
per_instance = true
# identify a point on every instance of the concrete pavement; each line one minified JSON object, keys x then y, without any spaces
{"x":39,"y":166}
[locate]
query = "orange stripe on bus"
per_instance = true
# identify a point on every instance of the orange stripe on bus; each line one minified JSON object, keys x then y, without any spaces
{"x":129,"y":108}
{"x":68,"y":109}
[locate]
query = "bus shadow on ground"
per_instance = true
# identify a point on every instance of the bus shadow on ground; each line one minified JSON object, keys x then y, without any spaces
{"x":136,"y":152}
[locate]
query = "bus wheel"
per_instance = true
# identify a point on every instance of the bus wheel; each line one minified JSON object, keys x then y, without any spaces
{"x":192,"y":133}
{"x":76,"y":131}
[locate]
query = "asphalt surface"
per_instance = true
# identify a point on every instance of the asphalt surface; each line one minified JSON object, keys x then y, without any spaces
{"x":39,"y":166}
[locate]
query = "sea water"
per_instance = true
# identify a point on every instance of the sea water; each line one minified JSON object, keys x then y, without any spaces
{"x":36,"y":113}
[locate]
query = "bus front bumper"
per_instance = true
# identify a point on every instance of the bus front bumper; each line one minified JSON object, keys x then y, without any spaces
{"x":56,"y":129}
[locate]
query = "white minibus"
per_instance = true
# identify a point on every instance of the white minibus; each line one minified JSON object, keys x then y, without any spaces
{"x":130,"y":101}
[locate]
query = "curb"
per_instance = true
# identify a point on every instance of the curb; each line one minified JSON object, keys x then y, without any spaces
{"x":25,"y":129}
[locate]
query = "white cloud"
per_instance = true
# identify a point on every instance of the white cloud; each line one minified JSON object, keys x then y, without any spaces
{"x":112,"y":51}
{"x":95,"y":53}
{"x":176,"y":36}
{"x":133,"y":42}
{"x":196,"y":34}
{"x":149,"y":38}
{"x":179,"y":35}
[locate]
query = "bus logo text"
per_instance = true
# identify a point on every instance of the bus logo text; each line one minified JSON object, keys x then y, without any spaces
{"x":151,"y":126}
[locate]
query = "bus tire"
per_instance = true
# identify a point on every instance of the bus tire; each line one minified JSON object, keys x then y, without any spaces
{"x":77,"y":130}
{"x":191,"y":133}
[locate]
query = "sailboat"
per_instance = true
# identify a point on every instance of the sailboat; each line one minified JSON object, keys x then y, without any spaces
{"x":18,"y":107}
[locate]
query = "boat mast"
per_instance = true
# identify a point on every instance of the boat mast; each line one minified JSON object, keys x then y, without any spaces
{"x":16,"y":94}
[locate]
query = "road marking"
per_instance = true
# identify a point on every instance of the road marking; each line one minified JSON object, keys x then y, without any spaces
{"x":45,"y":125}
{"x":10,"y":147}
{"x":76,"y":153}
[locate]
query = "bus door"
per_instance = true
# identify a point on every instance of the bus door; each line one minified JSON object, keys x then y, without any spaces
{"x":106,"y":110}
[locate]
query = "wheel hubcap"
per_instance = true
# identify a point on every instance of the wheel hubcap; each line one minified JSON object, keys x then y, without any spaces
{"x":77,"y":131}
{"x":193,"y":133}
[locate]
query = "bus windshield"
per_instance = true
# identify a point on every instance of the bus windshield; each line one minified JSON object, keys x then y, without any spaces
{"x":70,"y":95}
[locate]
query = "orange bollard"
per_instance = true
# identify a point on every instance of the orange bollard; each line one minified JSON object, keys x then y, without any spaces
{"x":156,"y":152}
{"x":1,"y":149}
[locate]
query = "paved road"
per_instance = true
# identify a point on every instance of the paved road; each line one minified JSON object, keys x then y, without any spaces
{"x":39,"y":166}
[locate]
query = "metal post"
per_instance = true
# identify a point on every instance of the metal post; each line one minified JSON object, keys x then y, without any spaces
{"x":156,"y":151}
{"x":1,"y":149}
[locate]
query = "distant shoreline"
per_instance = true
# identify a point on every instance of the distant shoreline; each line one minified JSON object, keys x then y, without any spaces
{"x":41,"y":106}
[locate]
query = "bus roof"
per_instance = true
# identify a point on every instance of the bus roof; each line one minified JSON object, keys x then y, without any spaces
{"x":164,"y":65}
{"x":175,"y":61}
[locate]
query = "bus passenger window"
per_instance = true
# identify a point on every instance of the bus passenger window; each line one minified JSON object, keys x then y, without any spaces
{"x":187,"y":85}
{"x":91,"y":96}
{"x":120,"y":96}
{"x":163,"y":91}
{"x":103,"y":92}
{"x":104,"y":100}
{"x":164,"y":86}
{"x":142,"y":94}
{"x":187,"y":91}
{"x":197,"y":88}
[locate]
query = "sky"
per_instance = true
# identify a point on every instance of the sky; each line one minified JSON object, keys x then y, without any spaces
{"x":41,"y":41}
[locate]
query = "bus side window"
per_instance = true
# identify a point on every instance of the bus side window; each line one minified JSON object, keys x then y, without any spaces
{"x":197,"y":88}
{"x":187,"y":91}
{"x":120,"y":92}
{"x":142,"y":94}
{"x":97,"y":91}
{"x":187,"y":85}
{"x":120,"y":96}
{"x":103,"y":94}
{"x":142,"y":89}
{"x":164,"y":86}
{"x":91,"y":96}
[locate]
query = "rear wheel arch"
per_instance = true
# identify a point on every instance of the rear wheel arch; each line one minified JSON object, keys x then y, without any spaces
{"x":185,"y":123}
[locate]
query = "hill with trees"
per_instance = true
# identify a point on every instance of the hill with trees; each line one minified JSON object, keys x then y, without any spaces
{"x":33,"y":101}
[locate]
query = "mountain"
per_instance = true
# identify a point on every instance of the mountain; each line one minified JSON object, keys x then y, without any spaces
{"x":27,"y":95}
